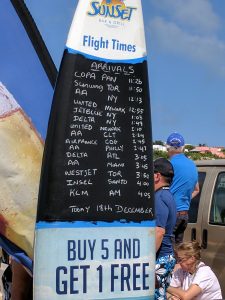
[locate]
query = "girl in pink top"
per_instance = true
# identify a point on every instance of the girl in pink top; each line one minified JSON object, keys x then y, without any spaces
{"x":193,"y":280}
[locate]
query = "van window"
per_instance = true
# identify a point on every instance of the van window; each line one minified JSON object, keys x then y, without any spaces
{"x":217,"y":212}
{"x":193,"y":211}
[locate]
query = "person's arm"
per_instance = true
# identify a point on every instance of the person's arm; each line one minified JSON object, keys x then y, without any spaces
{"x":21,"y":282}
{"x":196,"y":190}
{"x":159,"y":234}
{"x":193,"y":291}
{"x":172,"y":297}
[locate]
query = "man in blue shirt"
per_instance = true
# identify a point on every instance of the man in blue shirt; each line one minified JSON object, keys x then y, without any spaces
{"x":185,"y":182}
{"x":165,"y":211}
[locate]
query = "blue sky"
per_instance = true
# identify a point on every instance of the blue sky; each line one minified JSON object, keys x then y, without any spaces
{"x":186,"y":46}
{"x":21,"y":71}
{"x":186,"y":59}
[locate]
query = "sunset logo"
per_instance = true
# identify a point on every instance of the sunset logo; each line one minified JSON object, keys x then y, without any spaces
{"x":113,"y":3}
{"x":115,"y":9}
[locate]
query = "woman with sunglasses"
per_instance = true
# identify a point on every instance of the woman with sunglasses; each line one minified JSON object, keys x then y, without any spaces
{"x":194,"y":280}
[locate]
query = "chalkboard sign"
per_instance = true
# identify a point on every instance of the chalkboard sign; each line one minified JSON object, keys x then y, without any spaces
{"x":95,"y":229}
{"x":96,"y":163}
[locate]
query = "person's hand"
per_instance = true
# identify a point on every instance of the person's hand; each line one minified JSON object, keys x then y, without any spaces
{"x":173,"y":298}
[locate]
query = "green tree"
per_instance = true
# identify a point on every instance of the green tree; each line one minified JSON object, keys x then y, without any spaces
{"x":159,"y":153}
{"x":189,"y":147}
{"x":158,"y":142}
{"x":201,"y":156}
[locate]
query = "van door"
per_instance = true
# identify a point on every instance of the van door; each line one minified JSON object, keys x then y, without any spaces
{"x":193,"y":231}
{"x":207,"y":219}
{"x":213,"y":226}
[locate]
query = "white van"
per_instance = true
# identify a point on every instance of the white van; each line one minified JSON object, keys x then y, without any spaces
{"x":207,"y":216}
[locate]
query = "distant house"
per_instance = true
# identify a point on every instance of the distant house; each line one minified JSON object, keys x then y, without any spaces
{"x":159,"y":147}
{"x":214,"y":150}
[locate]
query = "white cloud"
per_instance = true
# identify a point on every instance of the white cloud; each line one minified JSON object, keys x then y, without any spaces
{"x":193,"y":14}
{"x":171,"y":36}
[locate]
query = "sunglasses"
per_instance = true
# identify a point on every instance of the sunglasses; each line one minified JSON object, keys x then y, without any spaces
{"x":181,"y":259}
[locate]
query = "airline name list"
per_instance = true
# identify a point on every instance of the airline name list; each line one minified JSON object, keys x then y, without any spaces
{"x":105,"y":145}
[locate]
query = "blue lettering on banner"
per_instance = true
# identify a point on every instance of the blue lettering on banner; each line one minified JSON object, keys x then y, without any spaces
{"x":98,"y":43}
{"x":114,"y":11}
{"x":127,"y":248}
{"x":65,"y":282}
{"x":105,"y":248}
{"x":99,"y":269}
{"x":117,"y":277}
{"x":78,"y":250}
{"x":127,"y":276}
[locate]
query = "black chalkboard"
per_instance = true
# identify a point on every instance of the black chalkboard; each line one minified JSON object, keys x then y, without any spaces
{"x":97,"y":159}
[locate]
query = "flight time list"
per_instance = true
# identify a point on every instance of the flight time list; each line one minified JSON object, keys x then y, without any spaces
{"x":106,"y":151}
